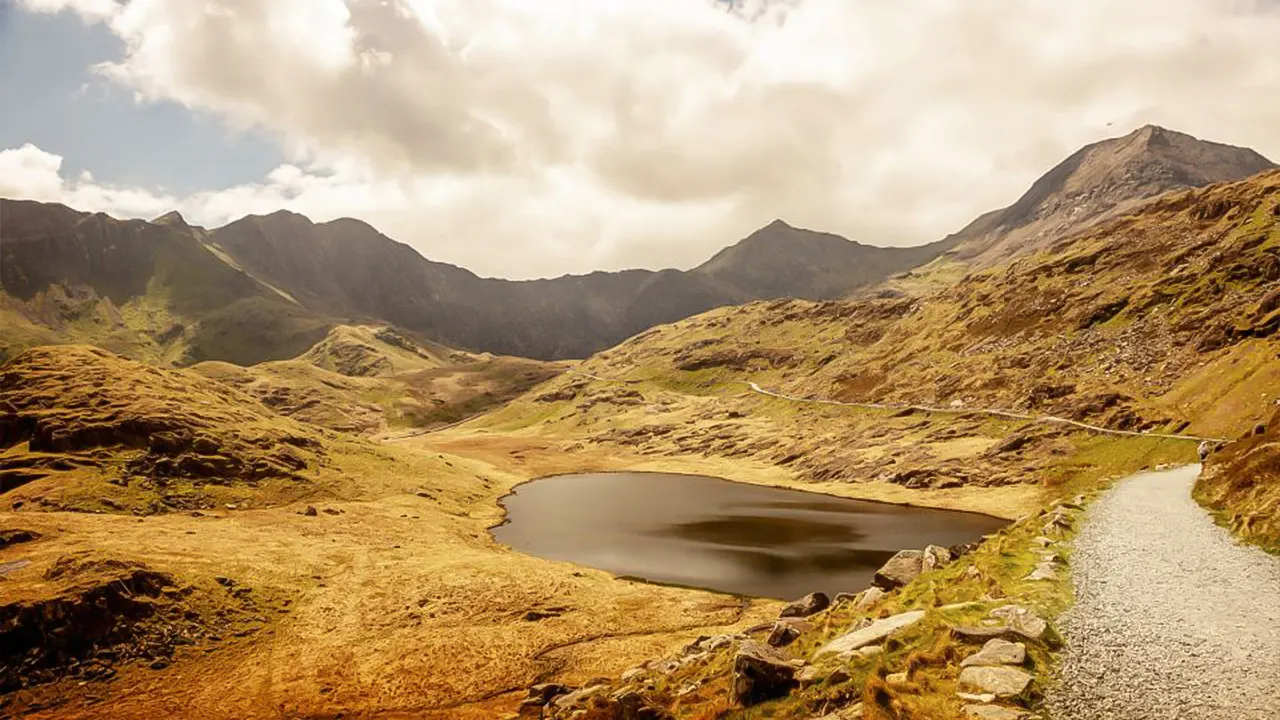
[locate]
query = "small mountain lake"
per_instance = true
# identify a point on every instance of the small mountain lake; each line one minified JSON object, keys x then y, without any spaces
{"x":721,"y":535}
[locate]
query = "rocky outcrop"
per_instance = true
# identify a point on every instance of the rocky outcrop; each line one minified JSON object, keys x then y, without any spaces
{"x":810,"y":604}
{"x":761,"y":673}
{"x":900,"y":570}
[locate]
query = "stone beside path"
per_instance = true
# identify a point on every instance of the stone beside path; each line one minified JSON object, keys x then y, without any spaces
{"x":1173,"y":620}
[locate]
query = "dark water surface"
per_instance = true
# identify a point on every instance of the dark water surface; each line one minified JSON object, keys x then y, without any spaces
{"x":721,"y":535}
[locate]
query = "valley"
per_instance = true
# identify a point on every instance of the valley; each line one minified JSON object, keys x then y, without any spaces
{"x":239,"y":480}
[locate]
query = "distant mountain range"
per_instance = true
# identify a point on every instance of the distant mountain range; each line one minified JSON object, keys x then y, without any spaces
{"x":268,"y":287}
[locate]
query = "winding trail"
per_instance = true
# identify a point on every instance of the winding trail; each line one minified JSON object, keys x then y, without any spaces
{"x":994,"y":412}
{"x":1173,"y":618}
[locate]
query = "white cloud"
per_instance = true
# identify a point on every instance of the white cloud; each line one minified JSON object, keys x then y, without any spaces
{"x":532,"y":137}
{"x":29,"y":173}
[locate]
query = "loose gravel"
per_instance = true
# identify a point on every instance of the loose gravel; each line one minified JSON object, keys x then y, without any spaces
{"x":1173,"y":618}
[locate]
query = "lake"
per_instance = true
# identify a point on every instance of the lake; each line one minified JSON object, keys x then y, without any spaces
{"x":719,"y":535}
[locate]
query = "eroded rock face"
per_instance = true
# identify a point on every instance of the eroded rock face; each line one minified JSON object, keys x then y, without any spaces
{"x":873,"y":634}
{"x":761,"y":673}
{"x":810,"y":604}
{"x":900,"y":570}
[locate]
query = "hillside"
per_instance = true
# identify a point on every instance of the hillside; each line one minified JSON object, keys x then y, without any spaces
{"x":1102,"y":181}
{"x":368,"y":380}
{"x":780,"y":261}
{"x":1242,"y":485}
{"x":1163,"y":321}
{"x":347,"y":268}
{"x":147,"y":290}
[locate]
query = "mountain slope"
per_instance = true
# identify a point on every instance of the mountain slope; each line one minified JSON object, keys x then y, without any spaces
{"x":1099,"y":182}
{"x":1167,"y":320}
{"x":144,"y":289}
{"x":346,"y":267}
{"x":780,"y":261}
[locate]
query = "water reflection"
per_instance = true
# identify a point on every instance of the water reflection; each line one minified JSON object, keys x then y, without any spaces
{"x":707,"y":532}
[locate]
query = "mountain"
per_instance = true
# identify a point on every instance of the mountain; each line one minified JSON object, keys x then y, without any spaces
{"x":1099,"y":182}
{"x":346,"y":267}
{"x":780,"y":261}
{"x":268,"y":287}
{"x":147,"y":290}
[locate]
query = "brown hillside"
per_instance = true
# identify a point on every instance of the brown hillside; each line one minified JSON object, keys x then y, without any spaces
{"x":83,"y":428}
{"x":1242,"y":484}
{"x":1165,"y":319}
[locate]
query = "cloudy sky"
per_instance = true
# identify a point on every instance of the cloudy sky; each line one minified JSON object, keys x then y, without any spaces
{"x":531,"y":138}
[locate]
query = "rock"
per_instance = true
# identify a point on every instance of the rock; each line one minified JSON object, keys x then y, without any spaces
{"x":810,"y":604}
{"x":853,"y":712}
{"x":224,"y":581}
{"x":1057,"y":525}
{"x":997,"y":652}
{"x":871,"y":651}
{"x":783,"y":635}
{"x":1043,"y":541}
{"x":900,"y":570}
{"x":844,"y":597}
{"x":869,"y":597}
{"x":310,"y":511}
{"x":935,"y":556}
{"x":546,"y":691}
{"x":111,"y":503}
{"x":760,"y":673}
{"x":632,"y":674}
{"x":1043,"y":571}
{"x":976,"y":697}
{"x":896,"y":679}
{"x":578,"y":697}
{"x":1022,"y":621}
{"x":873,"y":634}
{"x":1003,"y":682}
{"x":531,"y":708}
{"x":994,"y":712}
{"x":159,"y":664}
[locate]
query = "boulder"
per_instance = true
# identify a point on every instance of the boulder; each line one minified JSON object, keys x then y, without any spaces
{"x":897,"y":679}
{"x":935,"y":556}
{"x":810,"y":604}
{"x":900,"y":570}
{"x":997,"y":652}
{"x":994,"y":712}
{"x":783,"y":634}
{"x":873,"y":634}
{"x":761,"y":673}
{"x":1003,"y":682}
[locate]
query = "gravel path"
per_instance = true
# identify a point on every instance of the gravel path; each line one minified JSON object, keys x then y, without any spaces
{"x":1173,"y":619}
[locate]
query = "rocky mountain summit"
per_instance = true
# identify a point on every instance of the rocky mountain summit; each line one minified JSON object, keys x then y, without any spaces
{"x":1099,"y":182}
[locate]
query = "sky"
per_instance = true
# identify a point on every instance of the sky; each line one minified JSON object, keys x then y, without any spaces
{"x":534,"y":138}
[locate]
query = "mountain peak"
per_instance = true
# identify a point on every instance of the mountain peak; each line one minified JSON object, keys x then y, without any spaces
{"x":1102,"y":181}
{"x":173,"y":218}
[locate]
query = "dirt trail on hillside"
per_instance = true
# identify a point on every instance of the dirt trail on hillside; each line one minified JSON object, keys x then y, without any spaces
{"x":958,"y":410}
{"x":1173,"y":618}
